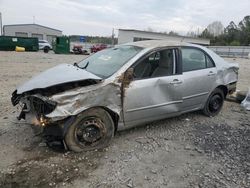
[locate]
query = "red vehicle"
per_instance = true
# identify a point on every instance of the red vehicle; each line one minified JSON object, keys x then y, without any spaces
{"x":78,"y":49}
{"x":98,"y":47}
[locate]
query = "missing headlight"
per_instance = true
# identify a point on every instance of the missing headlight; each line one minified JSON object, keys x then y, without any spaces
{"x":41,"y":105}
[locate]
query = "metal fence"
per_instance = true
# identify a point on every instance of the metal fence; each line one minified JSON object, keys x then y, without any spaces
{"x":231,"y":51}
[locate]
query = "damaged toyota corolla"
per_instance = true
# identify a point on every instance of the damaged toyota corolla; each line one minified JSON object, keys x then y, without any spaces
{"x":86,"y":103}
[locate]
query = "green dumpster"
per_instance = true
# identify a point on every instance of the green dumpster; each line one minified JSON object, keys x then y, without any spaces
{"x":61,"y":45}
{"x":9,"y":43}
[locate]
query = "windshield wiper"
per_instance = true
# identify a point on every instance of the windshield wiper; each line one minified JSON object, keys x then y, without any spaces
{"x":75,"y":64}
{"x":86,"y":65}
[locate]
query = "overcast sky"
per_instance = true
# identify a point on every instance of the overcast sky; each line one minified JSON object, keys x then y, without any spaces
{"x":98,"y":17}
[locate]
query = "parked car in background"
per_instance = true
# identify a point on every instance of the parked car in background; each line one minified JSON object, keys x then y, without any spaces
{"x":78,"y":49}
{"x":86,"y":103}
{"x":44,"y":45}
{"x":98,"y":47}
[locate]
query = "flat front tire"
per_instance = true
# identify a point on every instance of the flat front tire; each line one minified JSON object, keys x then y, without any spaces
{"x":214,"y":103}
{"x":92,"y":129}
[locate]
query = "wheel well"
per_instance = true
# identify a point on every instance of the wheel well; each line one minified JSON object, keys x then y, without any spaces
{"x":224,"y":89}
{"x":114,"y":116}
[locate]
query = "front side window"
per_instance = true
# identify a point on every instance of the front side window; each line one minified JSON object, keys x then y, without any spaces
{"x":195,"y":59}
{"x":106,"y":62}
{"x":157,"y":64}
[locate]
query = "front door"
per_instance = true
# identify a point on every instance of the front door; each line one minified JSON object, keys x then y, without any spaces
{"x":155,"y":92}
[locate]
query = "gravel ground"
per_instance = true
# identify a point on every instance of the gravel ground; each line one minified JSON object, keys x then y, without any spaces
{"x":187,"y":151}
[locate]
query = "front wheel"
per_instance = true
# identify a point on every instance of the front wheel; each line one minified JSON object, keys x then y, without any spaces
{"x":92,"y":129}
{"x":214,"y":103}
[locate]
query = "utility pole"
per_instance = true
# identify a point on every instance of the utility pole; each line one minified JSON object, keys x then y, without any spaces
{"x":113,"y":36}
{"x":1,"y":23}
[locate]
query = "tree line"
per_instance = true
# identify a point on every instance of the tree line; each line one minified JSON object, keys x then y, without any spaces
{"x":232,"y":35}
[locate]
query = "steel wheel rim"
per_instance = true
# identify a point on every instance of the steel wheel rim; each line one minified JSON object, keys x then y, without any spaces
{"x":215,"y":103}
{"x":90,"y":131}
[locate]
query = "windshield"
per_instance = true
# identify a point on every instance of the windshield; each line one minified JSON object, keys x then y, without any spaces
{"x":106,"y":62}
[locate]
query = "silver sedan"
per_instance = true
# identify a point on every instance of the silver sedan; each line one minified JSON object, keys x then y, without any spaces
{"x":86,"y":103}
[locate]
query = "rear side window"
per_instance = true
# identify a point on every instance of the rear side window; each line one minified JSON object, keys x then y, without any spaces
{"x":195,"y":59}
{"x":210,"y":63}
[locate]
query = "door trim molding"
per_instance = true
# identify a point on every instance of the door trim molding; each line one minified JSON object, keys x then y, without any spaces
{"x":154,"y":106}
{"x":196,"y":95}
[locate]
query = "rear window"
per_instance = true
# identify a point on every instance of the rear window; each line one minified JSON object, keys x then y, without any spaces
{"x":195,"y":59}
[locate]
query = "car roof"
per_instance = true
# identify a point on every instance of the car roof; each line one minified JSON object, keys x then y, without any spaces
{"x":151,"y":44}
{"x":157,"y":43}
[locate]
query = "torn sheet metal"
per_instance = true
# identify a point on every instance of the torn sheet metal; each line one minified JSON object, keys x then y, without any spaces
{"x":77,"y":100}
{"x":230,"y":73}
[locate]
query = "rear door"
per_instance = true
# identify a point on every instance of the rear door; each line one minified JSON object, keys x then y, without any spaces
{"x":199,"y":76}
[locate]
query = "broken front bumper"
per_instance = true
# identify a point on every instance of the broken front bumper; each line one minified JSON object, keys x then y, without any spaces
{"x":34,"y":106}
{"x":34,"y":111}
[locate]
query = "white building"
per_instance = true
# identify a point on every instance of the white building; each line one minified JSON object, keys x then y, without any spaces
{"x":31,"y":30}
{"x":130,"y":35}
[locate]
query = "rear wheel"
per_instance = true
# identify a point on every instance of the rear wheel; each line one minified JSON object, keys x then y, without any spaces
{"x":92,"y":129}
{"x":214,"y":103}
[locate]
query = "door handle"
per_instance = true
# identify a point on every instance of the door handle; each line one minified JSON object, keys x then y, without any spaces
{"x":176,"y":81}
{"x":211,"y":73}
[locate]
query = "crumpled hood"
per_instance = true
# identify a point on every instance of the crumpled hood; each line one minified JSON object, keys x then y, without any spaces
{"x":63,"y":73}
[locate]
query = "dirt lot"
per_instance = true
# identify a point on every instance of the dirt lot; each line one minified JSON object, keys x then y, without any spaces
{"x":188,"y":151}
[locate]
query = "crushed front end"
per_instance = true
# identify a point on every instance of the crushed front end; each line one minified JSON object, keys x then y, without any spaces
{"x":52,"y":110}
{"x":35,"y":107}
